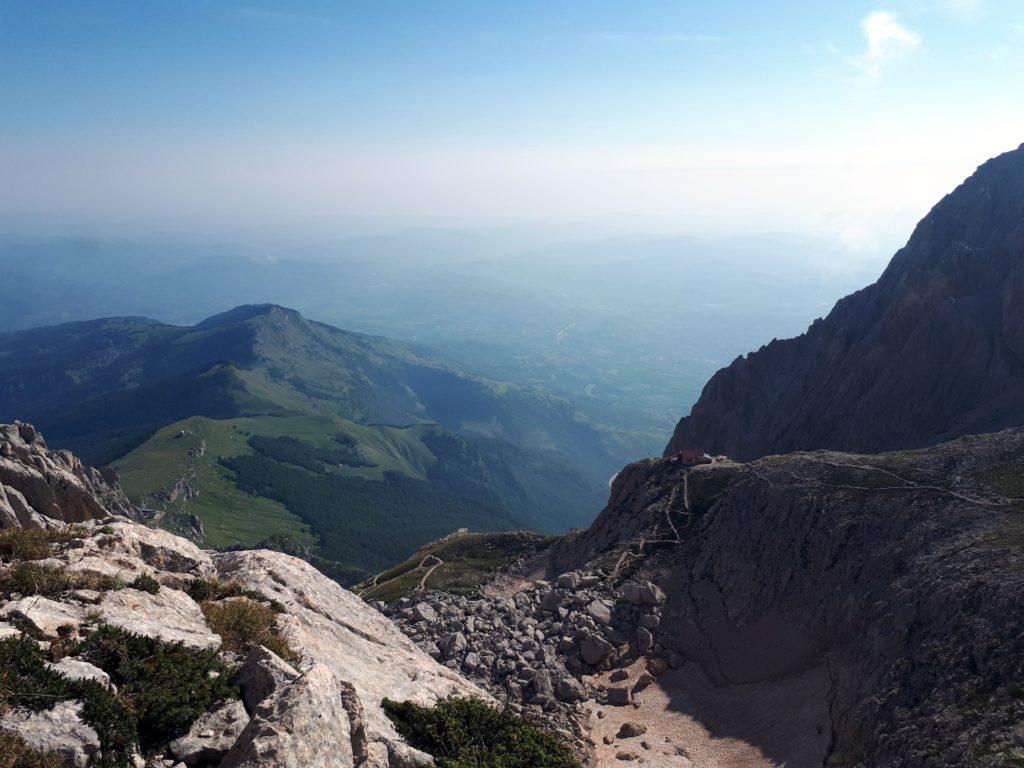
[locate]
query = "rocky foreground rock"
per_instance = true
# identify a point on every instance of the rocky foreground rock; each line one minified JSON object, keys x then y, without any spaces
{"x":324,"y":711}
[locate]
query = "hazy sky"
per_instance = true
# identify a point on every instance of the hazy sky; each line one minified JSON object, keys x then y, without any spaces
{"x":844,"y":118}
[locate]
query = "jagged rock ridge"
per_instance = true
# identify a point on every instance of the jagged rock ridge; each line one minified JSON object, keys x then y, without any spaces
{"x":931,"y":351}
{"x":40,"y":488}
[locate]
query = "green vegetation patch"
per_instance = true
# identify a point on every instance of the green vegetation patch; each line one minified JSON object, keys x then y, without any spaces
{"x":289,"y":450}
{"x":469,"y":561}
{"x":161,"y":689}
{"x":365,"y":523}
{"x":26,"y":682}
{"x":145,"y":583}
{"x":229,"y":515}
{"x":467,"y":733}
{"x":348,"y":498}
{"x":165,"y":686}
{"x":202,"y":590}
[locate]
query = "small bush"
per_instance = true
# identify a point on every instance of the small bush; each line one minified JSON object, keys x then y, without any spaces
{"x":201,"y":590}
{"x":34,"y":543}
{"x":167,"y":686}
{"x":146,"y":583}
{"x":26,"y":682}
{"x":467,"y":733}
{"x":243,"y":623}
{"x":15,"y":753}
{"x":28,"y":578}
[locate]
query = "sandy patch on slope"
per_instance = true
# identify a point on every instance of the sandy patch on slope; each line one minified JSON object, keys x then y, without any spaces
{"x":692,"y":724}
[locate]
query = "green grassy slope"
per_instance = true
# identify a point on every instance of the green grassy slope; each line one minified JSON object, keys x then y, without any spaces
{"x":459,"y":564}
{"x":265,"y":425}
{"x":255,"y":478}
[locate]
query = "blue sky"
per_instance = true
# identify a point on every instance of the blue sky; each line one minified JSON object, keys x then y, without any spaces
{"x":843,"y":118}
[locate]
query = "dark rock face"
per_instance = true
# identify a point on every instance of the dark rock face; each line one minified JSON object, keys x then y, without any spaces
{"x":893,"y":579}
{"x":933,"y":350}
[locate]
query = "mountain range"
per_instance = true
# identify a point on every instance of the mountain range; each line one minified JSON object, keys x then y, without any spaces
{"x":265,"y":424}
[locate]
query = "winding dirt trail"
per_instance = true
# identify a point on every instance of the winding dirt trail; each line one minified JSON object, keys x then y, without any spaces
{"x":430,"y":570}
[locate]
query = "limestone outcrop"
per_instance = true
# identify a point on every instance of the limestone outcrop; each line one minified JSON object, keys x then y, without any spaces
{"x":106,"y":570}
{"x":40,"y":488}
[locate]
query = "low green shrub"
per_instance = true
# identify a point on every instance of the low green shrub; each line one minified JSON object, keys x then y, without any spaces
{"x":29,"y":578}
{"x":145,"y":583}
{"x":243,"y":623}
{"x":166,"y":686}
{"x":201,"y":590}
{"x":468,"y":733}
{"x":26,"y":682}
{"x":15,"y":753}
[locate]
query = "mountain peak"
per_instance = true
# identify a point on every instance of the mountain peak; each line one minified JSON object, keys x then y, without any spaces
{"x":247,"y":312}
{"x":933,"y":350}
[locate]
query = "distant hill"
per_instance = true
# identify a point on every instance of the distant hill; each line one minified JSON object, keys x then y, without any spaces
{"x":933,"y":350}
{"x":264,"y":424}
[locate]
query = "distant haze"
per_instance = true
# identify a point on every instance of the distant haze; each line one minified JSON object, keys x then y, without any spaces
{"x":310,"y":119}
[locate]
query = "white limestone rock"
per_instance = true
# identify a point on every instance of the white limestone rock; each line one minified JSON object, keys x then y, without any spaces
{"x":305,"y":725}
{"x":44,"y":616}
{"x":212,"y":735}
{"x":330,"y":626}
{"x":76,"y":669}
{"x":59,"y":730}
{"x":170,"y":616}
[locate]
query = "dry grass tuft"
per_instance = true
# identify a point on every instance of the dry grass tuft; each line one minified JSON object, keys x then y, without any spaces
{"x":15,"y":753}
{"x":28,"y":578}
{"x":243,"y":623}
{"x":34,"y":543}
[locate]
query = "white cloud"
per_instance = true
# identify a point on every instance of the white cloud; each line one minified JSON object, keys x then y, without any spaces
{"x":887,"y":41}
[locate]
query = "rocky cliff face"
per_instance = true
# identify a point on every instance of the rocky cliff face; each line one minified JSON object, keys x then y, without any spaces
{"x":933,"y":350}
{"x":831,"y":608}
{"x":108,"y":573}
{"x":40,"y":488}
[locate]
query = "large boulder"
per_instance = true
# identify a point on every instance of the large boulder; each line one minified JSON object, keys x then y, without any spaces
{"x":263,"y":674}
{"x":45,"y":617}
{"x":212,"y":735}
{"x":332,"y":628}
{"x":304,"y":725}
{"x":170,"y":616}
